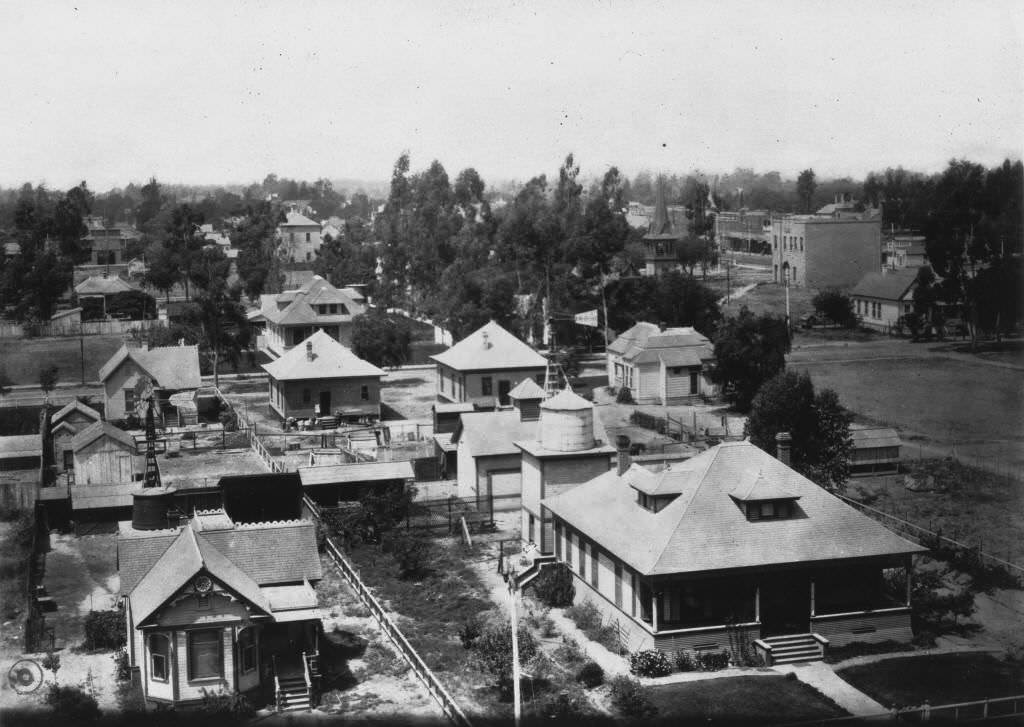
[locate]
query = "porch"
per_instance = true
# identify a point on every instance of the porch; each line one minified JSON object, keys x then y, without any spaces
{"x":290,"y":657}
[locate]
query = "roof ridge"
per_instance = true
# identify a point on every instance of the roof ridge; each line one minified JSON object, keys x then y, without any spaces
{"x":269,"y":524}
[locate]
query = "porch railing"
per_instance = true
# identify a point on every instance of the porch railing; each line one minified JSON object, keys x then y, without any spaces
{"x":419,"y":668}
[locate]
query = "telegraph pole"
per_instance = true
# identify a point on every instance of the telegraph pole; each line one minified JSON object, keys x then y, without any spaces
{"x":517,"y":697}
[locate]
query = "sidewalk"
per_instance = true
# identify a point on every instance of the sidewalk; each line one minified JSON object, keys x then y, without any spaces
{"x":819,"y":675}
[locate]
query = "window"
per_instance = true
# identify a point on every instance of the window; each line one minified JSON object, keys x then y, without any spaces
{"x":568,"y":547}
{"x":69,"y":459}
{"x":618,"y":584}
{"x":583,"y":555}
{"x":530,"y":530}
{"x":203,"y":601}
{"x":247,"y":650}
{"x":159,"y":651}
{"x":364,"y":393}
{"x":332,"y":308}
{"x":593,"y":565}
{"x":558,"y":540}
{"x":307,"y":396}
{"x":308,"y":255}
{"x":307,"y":240}
{"x":129,"y":401}
{"x":204,"y":654}
{"x":767,"y":509}
{"x":486,"y":385}
{"x":694,"y":384}
{"x":801,"y":243}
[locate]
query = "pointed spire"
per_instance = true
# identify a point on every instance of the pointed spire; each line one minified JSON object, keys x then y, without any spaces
{"x":661,"y":223}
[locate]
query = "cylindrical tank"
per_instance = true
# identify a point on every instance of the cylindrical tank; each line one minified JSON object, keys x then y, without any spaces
{"x":150,"y":508}
{"x":566,"y":423}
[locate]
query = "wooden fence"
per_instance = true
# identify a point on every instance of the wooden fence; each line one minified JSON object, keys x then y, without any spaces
{"x":928,"y":538}
{"x":85,"y":328}
{"x":1000,"y":708}
{"x":419,"y":668}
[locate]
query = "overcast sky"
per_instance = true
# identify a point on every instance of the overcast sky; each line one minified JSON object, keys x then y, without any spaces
{"x":220,"y":91}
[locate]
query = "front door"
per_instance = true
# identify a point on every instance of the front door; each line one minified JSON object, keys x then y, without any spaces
{"x":325,"y":403}
{"x":785,"y":605}
{"x":503,"y":388}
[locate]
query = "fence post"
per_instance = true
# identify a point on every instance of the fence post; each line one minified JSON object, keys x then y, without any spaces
{"x":449,"y":516}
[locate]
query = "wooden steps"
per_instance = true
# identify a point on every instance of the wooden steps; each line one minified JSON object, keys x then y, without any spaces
{"x":794,"y":648}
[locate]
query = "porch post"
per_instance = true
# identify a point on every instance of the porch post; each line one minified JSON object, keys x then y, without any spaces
{"x":812,"y":597}
{"x":908,"y":569}
{"x":654,"y":610}
{"x":757,"y":603}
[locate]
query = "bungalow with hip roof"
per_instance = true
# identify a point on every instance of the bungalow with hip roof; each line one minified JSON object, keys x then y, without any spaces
{"x":323,"y":377}
{"x":662,"y":365}
{"x":169,"y":369}
{"x":64,"y":425}
{"x":291,"y":317}
{"x":881,"y":299}
{"x":215,"y":606}
{"x":485,"y":366}
{"x":732,"y":542}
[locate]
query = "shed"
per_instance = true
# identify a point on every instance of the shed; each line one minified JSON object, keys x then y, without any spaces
{"x":21,"y":452}
{"x":875,"y":450}
{"x":330,"y":484}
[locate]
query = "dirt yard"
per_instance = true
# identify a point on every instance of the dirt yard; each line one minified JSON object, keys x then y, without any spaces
{"x":81,"y":576}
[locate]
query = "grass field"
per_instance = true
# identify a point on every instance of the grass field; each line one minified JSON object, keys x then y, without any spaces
{"x":22,"y":358}
{"x":940,"y":679}
{"x":753,"y":699}
{"x":771,"y":298}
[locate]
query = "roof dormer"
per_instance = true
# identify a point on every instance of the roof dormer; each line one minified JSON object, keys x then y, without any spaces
{"x":761,"y":498}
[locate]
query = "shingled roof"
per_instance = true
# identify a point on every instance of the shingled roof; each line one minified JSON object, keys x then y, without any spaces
{"x":330,"y":360}
{"x":646,"y":342}
{"x":705,"y":529}
{"x":170,"y":367}
{"x":888,"y":286}
{"x":72,"y":407}
{"x":294,"y":307}
{"x":490,"y":347}
{"x":102,"y":285}
{"x":488,"y":433}
{"x":268,"y":553}
{"x":100,"y":429}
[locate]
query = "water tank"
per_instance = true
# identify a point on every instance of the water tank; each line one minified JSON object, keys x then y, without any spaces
{"x":567,"y":423}
{"x":150,"y":508}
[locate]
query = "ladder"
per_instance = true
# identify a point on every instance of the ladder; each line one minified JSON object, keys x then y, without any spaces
{"x":554,"y":378}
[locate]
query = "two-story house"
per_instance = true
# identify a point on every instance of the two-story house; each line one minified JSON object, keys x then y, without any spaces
{"x":166,"y":370}
{"x":662,"y":365}
{"x":300,"y":237}
{"x":289,"y":318}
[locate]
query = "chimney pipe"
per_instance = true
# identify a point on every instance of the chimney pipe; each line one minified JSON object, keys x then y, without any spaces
{"x":309,"y":350}
{"x":622,"y":445}
{"x":783,"y":445}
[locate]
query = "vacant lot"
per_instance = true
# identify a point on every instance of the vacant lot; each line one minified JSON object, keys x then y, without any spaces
{"x":753,"y":699}
{"x":950,"y":402}
{"x":939,"y":679}
{"x":22,"y":358}
{"x":81,"y":575}
{"x":771,"y":298}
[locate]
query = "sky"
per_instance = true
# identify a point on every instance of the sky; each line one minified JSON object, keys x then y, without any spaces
{"x":225,"y":92}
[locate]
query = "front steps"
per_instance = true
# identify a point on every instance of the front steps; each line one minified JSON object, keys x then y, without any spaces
{"x":793,"y":648}
{"x":293,"y":695}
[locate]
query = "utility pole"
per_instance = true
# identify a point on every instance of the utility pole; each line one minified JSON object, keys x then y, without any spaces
{"x":517,"y":697}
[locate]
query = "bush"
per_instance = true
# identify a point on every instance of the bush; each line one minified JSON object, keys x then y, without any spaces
{"x":105,"y":630}
{"x":625,"y":396}
{"x":713,"y":660}
{"x":410,"y":553}
{"x":122,"y":666}
{"x":72,"y":705}
{"x":569,"y":653}
{"x":469,"y":632}
{"x":836,"y":306}
{"x":649,"y":663}
{"x":590,"y":675}
{"x":494,"y":650}
{"x":585,"y":615}
{"x":232,"y":705}
{"x":562,"y":707}
{"x":628,"y":697}
{"x":685,"y":661}
{"x":554,"y":586}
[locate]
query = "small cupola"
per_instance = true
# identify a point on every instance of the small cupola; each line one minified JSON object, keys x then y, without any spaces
{"x":526,"y":398}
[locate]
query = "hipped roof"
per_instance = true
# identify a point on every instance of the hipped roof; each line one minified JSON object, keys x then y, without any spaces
{"x":330,"y":360}
{"x":705,"y":529}
{"x":490,"y":347}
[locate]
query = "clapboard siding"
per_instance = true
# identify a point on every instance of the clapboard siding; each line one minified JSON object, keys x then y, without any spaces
{"x":711,"y":639}
{"x":872,"y":628}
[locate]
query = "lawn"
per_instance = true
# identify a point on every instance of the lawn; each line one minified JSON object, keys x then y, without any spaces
{"x":939,"y":679}
{"x":771,"y":298}
{"x":22,"y":358}
{"x":754,"y":699}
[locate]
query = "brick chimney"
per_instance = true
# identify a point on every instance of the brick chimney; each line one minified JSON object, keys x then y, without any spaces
{"x":309,"y":350}
{"x":783,"y":445}
{"x":622,"y":448}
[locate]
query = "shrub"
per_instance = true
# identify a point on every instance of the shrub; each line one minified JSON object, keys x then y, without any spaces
{"x":713,"y":660}
{"x":562,"y":707}
{"x":232,"y":705}
{"x":554,"y":586}
{"x":585,"y":615}
{"x":469,"y":632}
{"x":494,"y":650}
{"x":72,"y":705}
{"x":836,"y":306}
{"x":122,"y":666}
{"x":685,"y":661}
{"x":649,"y":663}
{"x":625,"y":396}
{"x":569,"y":653}
{"x":105,"y":630}
{"x":410,"y":553}
{"x":590,"y":675}
{"x":628,"y":697}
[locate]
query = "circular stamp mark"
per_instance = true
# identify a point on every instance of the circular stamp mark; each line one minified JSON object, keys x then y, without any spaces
{"x":25,"y":676}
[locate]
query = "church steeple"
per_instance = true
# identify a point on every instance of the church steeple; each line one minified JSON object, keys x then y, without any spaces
{"x":661,"y":223}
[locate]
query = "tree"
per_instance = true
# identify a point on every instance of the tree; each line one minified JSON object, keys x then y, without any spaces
{"x":493,"y":649}
{"x":259,"y":265}
{"x":836,"y":306}
{"x":818,"y":424}
{"x":217,"y":313}
{"x":806,"y":185}
{"x":48,"y":379}
{"x":381,"y":339}
{"x":152,"y":201}
{"x":749,"y":350}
